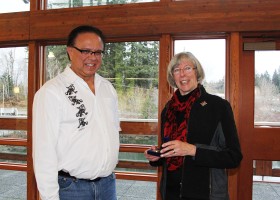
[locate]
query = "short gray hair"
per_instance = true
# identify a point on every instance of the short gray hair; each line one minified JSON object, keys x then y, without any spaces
{"x":177,"y":59}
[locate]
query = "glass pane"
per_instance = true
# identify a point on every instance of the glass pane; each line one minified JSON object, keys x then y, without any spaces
{"x":8,"y":6}
{"x":56,"y":4}
{"x":276,"y":165}
{"x":138,"y":139}
{"x":132,"y":67}
{"x":267,"y":88}
{"x":13,"y":81}
{"x":207,"y":51}
{"x":13,"y":134}
{"x":13,"y":185}
{"x":139,"y":157}
{"x":266,"y":180}
{"x":56,"y":62}
{"x":136,"y":190}
{"x":13,"y":154}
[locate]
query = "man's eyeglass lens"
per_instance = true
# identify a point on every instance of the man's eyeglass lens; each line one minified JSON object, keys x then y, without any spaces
{"x":87,"y":52}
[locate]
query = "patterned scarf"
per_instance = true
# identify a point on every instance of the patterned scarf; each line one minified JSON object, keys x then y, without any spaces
{"x":176,"y":126}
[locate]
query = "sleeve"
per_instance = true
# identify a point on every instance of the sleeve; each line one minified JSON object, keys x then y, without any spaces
{"x":224,"y":151}
{"x":160,"y":162}
{"x":45,"y":127}
{"x":116,"y":110}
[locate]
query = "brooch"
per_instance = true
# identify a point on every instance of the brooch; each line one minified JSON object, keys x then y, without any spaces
{"x":203,"y":103}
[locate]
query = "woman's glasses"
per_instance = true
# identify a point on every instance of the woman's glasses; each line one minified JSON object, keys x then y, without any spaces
{"x":186,"y":70}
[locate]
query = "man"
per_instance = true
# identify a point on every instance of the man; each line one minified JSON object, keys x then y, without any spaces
{"x":76,"y":126}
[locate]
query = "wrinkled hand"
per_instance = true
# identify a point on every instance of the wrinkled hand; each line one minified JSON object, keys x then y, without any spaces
{"x":151,"y":157}
{"x":177,"y":148}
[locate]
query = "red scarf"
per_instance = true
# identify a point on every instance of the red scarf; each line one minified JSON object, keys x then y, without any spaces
{"x":176,"y":126}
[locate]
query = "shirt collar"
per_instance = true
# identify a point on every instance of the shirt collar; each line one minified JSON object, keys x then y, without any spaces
{"x":72,"y":77}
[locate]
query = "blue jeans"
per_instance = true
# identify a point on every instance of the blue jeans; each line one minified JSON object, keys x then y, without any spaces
{"x":75,"y":189}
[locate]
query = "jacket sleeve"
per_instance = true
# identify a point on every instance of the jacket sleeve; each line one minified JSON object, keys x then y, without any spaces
{"x":224,"y":150}
{"x":161,"y":160}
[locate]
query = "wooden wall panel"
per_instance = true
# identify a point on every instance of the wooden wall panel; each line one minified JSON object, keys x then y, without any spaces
{"x":141,"y":128}
{"x":266,"y":144}
{"x":158,"y":18}
{"x":13,"y":124}
{"x":14,"y":27}
{"x":145,"y":19}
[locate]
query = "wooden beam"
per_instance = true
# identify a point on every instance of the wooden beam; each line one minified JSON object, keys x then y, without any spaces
{"x":136,"y":176}
{"x":13,"y":123}
{"x":177,"y":17}
{"x":14,"y":26}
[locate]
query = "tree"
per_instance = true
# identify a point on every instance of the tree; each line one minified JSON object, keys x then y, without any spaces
{"x":57,"y":60}
{"x":276,"y":79}
{"x":266,"y":76}
{"x":133,"y":69}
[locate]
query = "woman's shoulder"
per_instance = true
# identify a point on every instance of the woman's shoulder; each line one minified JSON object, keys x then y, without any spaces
{"x":215,"y":100}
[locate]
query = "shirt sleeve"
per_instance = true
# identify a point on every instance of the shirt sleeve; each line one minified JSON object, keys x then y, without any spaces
{"x":45,"y":127}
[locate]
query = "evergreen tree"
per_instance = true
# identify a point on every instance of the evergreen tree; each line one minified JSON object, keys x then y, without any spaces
{"x":276,"y":78}
{"x":266,"y":76}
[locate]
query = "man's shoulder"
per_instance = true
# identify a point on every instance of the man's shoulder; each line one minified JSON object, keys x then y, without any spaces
{"x":51,"y":86}
{"x":103,"y":80}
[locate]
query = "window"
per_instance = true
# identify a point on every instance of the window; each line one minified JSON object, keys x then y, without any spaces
{"x":267,"y":88}
{"x":13,"y":82}
{"x":212,"y":54}
{"x":8,"y":6}
{"x":13,"y":154}
{"x":56,"y":4}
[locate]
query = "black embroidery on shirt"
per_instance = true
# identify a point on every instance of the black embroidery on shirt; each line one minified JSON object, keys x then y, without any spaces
{"x":70,"y":93}
{"x":82,"y":111}
{"x":74,"y":100}
{"x":71,"y":90}
{"x":82,"y":122}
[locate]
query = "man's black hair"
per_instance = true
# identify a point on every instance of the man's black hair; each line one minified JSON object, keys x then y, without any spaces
{"x":84,"y":29}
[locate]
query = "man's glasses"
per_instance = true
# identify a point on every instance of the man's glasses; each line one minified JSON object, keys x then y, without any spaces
{"x":186,"y":70}
{"x":86,"y":52}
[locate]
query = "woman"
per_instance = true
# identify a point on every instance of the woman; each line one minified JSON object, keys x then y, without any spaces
{"x":199,"y":137}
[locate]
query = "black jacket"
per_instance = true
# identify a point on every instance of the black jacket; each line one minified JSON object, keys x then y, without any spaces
{"x":212,"y":129}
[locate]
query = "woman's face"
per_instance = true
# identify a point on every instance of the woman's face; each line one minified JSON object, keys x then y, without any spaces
{"x":185,"y":76}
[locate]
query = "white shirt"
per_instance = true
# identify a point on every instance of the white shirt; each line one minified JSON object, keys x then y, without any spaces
{"x":74,"y":130}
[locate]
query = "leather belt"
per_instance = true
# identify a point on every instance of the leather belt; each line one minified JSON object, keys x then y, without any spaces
{"x":65,"y":174}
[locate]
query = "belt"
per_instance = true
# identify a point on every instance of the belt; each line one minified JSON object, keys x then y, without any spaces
{"x":65,"y":174}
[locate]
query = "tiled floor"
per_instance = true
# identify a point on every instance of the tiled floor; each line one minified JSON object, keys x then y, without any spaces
{"x":136,"y":190}
{"x":13,"y":187}
{"x":266,"y":191}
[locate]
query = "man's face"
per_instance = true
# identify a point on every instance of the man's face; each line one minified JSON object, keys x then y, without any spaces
{"x":85,"y":64}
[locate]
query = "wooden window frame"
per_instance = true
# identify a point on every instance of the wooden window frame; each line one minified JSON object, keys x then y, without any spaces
{"x":166,"y":19}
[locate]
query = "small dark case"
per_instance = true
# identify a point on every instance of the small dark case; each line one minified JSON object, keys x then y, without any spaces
{"x":154,"y":152}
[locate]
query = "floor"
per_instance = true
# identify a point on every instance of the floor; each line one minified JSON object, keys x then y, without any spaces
{"x":13,"y":187}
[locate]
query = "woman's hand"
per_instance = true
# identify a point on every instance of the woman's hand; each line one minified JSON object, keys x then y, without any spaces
{"x":151,"y":157}
{"x":177,"y":148}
